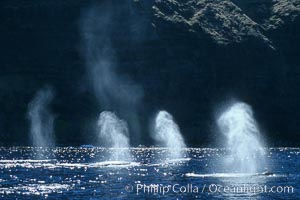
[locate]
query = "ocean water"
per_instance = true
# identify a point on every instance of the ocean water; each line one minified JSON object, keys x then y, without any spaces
{"x":84,"y":173}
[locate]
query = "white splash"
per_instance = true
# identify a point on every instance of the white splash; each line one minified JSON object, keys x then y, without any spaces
{"x":113,"y":132}
{"x":41,"y":119}
{"x":243,"y":139}
{"x":167,"y":134}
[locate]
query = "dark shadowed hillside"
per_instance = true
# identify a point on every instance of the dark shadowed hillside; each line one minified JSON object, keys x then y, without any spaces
{"x":188,"y":57}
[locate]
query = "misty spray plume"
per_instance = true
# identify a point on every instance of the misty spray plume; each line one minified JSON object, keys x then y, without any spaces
{"x":114,"y":132}
{"x":246,"y":152}
{"x":114,"y":91}
{"x":167,"y":134}
{"x":41,"y":119}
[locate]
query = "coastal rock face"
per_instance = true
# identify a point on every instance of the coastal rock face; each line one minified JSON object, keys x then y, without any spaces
{"x":226,"y":21}
{"x":282,"y":12}
{"x":187,"y":56}
{"x":220,"y":20}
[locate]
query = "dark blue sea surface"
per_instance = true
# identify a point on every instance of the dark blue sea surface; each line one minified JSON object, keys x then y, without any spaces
{"x":85,"y":173}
